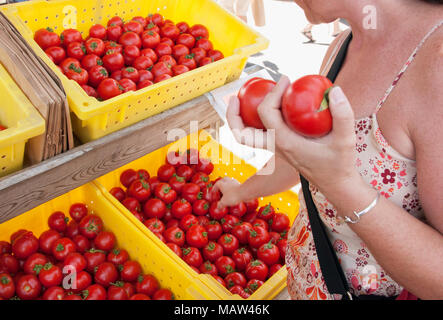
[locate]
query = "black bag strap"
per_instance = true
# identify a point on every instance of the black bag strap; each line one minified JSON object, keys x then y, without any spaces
{"x":331,"y":269}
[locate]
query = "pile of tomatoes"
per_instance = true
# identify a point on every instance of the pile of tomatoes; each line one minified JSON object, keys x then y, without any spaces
{"x":73,"y":260}
{"x":241,"y":246}
{"x":131,"y":55}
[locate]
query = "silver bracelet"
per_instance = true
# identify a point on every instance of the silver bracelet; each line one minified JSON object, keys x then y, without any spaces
{"x":364,"y":211}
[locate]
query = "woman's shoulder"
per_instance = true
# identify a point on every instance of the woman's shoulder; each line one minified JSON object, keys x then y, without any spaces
{"x":333,"y":51}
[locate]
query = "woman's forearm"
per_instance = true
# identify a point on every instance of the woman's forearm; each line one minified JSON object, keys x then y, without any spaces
{"x":410,"y":251}
{"x":283,"y":177}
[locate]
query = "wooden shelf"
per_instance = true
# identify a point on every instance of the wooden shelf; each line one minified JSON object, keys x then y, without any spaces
{"x":32,"y":186}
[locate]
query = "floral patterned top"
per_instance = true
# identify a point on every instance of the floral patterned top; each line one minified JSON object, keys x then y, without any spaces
{"x":394,"y":176}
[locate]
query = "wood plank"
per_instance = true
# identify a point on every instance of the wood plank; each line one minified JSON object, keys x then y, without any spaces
{"x":35,"y":185}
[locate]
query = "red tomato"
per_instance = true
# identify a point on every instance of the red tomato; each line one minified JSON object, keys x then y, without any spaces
{"x":54,"y":293}
{"x":81,"y":243}
{"x":215,"y":55}
{"x":225,"y":265}
{"x":201,"y":179}
{"x":181,"y":208}
{"x":190,"y":192}
{"x":91,"y":226}
{"x":155,"y":225}
{"x":58,"y":221}
{"x":179,"y":69}
{"x":69,"y":64}
{"x":152,"y":27}
{"x":165,"y":172}
{"x":274,"y":269}
{"x":275,"y":237}
{"x":238,"y":210}
{"x":50,"y":275}
{"x":133,"y":26}
{"x":163,"y":49}
{"x":208,"y":268}
{"x":69,"y":36}
{"x":204,"y":44}
{"x":95,"y":46}
{"x":251,"y":94}
{"x":24,"y":245}
{"x":186,"y":40}
{"x":251,"y":205}
{"x":47,"y":240}
{"x":235,"y":279}
{"x":258,"y":236}
{"x":76,"y":50}
{"x":154,"y":208}
{"x":162,"y":77}
{"x":130,"y":53}
{"x":241,"y":231}
{"x":175,"y":248}
{"x":113,"y":61}
{"x":150,"y":39}
{"x":214,"y":230}
{"x":105,"y":274}
{"x":170,"y":31}
{"x":212,"y":251}
{"x":269,"y":253}
{"x":257,"y":270}
{"x":7,"y":286}
{"x":114,"y":46}
{"x":72,"y":229}
{"x":130,"y":271}
{"x":217,"y":213}
{"x":147,"y":284}
{"x":34,"y":263}
{"x":305,"y":106}
{"x":183,"y":27}
{"x":94,"y":292}
{"x":139,"y":190}
{"x":117,"y":292}
{"x":210,"y":195}
{"x":163,"y":294}
{"x":205,"y":166}
{"x":150,"y":54}
{"x":282,"y":244}
{"x":145,"y":75}
{"x":185,"y":172}
{"x":229,"y":244}
{"x":229,"y":222}
{"x":254,"y":284}
{"x":118,"y":193}
{"x":114,"y":33}
{"x":127,"y":177}
{"x":94,"y":258}
{"x":109,"y":88}
{"x":205,"y":61}
{"x":57,"y":54}
{"x":62,"y":247}
{"x":250,"y":217}
{"x":90,"y":91}
{"x":130,"y":39}
{"x":97,"y":31}
{"x":200,"y":207}
{"x":199,"y":31}
{"x":76,"y":261}
{"x":242,"y":257}
{"x":155,"y":18}
{"x":72,"y":297}
{"x":28,"y":287}
{"x":177,"y":183}
{"x":79,"y":75}
{"x":192,"y":256}
{"x":143,"y":63}
{"x":96,"y":75}
{"x":5,"y":247}
{"x":115,"y":21}
{"x":188,"y":61}
{"x":141,"y":20}
{"x":280,"y":222}
{"x":46,"y":38}
{"x":118,"y":256}
{"x":175,"y":235}
{"x":105,"y":241}
{"x":139,"y":296}
{"x":165,"y":193}
{"x":266,"y":212}
{"x":196,"y":236}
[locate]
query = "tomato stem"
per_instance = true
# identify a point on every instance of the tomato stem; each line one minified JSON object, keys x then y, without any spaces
{"x":325,"y":102}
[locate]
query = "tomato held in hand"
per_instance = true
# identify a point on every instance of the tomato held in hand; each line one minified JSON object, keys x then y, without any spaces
{"x":251,"y":94}
{"x":305,"y":106}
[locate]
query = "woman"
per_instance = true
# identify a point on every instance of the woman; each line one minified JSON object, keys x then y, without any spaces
{"x":382,"y":142}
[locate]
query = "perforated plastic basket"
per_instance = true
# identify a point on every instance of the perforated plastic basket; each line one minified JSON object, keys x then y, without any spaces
{"x":140,"y":248}
{"x":22,"y":121}
{"x":93,"y":119}
{"x":225,"y":164}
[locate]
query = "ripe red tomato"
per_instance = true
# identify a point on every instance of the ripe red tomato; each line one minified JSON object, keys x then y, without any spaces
{"x":183,"y":27}
{"x":188,"y":61}
{"x":75,"y":260}
{"x":105,"y":241}
{"x":251,"y":94}
{"x":204,"y":44}
{"x":90,"y":91}
{"x":69,"y":36}
{"x":154,"y":208}
{"x":127,"y":177}
{"x":139,"y":190}
{"x":229,"y":244}
{"x":58,"y":221}
{"x":118,"y":193}
{"x":201,"y":179}
{"x":81,"y":243}
{"x":72,"y":297}
{"x":165,"y":172}
{"x":258,"y":236}
{"x":91,"y":60}
{"x":130,"y":39}
{"x":220,"y":280}
{"x":210,"y":195}
{"x":260,"y":223}
{"x":274,"y":269}
{"x":186,"y":40}
{"x":9,"y":264}
{"x":94,"y":292}
{"x":91,"y":226}
{"x":305,"y":106}
{"x":79,"y":75}
{"x":76,"y":50}
{"x":196,"y":236}
{"x":163,"y":294}
{"x":185,"y":172}
{"x":143,"y":63}
{"x":114,"y":33}
{"x":113,"y":61}
{"x":150,"y":54}
{"x":50,"y":275}
{"x":133,"y":26}
{"x":170,"y":31}
{"x":34,"y":263}
{"x":69,"y":64}
{"x":28,"y":287}
{"x":97,"y":31}
{"x":47,"y":240}
{"x":57,"y":54}
{"x":150,"y":39}
{"x":214,"y":230}
{"x":94,"y":258}
{"x":152,"y":27}
{"x":175,"y":235}
{"x":105,"y":274}
{"x":145,"y":75}
{"x":7,"y":286}
{"x":282,"y":244}
{"x":229,"y":222}
{"x":175,"y":248}
{"x":257,"y":270}
{"x":215,"y":55}
{"x":109,"y":88}
{"x":225,"y":265}
{"x":162,"y":77}
{"x":208,"y":268}
{"x":117,"y":292}
{"x":205,"y":166}
{"x":181,"y":208}
{"x":140,"y":20}
{"x":96,"y":75}
{"x":242,"y":257}
{"x":62,"y":247}
{"x":130,"y":271}
{"x":266,"y":212}
{"x":217,"y":213}
{"x":114,"y":46}
{"x":241,"y":231}
{"x":24,"y":245}
{"x":115,"y":21}
{"x":179,"y":69}
{"x":238,"y":210}
{"x":254,"y":284}
{"x":251,"y":205}
{"x":269,"y":254}
{"x":192,"y":256}
{"x":212,"y":251}
{"x":280,"y":222}
{"x":156,"y":19}
{"x":205,"y":61}
{"x":200,"y":207}
{"x":199,"y":31}
{"x":132,"y":204}
{"x":130,"y":53}
{"x":147,"y":284}
{"x":5,"y":247}
{"x":190,"y":192}
{"x":165,"y":193}
{"x":235,"y":279}
{"x":118,"y":256}
{"x":46,"y":38}
{"x":95,"y":46}
{"x":72,"y":229}
{"x":163,"y":49}
{"x":155,"y":225}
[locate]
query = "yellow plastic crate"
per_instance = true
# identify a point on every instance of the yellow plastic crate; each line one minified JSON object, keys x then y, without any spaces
{"x":22,"y":121}
{"x":140,"y":248}
{"x":93,"y":119}
{"x":225,"y":164}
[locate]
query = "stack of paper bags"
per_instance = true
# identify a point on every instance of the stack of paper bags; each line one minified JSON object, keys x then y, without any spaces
{"x":43,"y":88}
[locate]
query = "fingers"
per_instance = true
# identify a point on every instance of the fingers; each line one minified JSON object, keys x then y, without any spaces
{"x":342,"y":113}
{"x":233,"y":114}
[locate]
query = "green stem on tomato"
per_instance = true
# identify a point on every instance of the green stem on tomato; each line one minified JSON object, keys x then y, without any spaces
{"x":325,"y":102}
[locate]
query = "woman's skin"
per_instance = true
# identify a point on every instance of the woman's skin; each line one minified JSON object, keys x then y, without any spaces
{"x":410,"y":251}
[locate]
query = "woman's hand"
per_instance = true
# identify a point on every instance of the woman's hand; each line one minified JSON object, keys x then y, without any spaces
{"x":230,"y":190}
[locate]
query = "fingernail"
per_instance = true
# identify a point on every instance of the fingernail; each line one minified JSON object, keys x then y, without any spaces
{"x":337,"y":95}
